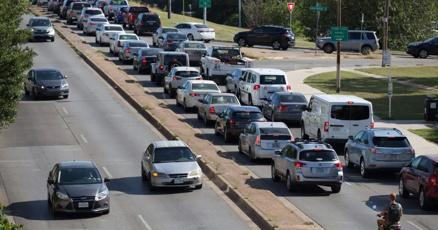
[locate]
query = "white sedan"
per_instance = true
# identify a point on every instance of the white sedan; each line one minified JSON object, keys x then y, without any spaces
{"x":92,"y":23}
{"x":116,"y":41}
{"x":104,"y":31}
{"x":196,"y":31}
{"x":192,"y":91}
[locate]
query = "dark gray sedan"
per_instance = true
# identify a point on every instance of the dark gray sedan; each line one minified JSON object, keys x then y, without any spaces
{"x":284,"y":106}
{"x":46,"y":82}
{"x":172,"y":40}
{"x":77,"y":186}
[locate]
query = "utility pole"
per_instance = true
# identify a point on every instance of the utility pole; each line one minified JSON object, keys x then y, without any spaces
{"x":338,"y":50}
{"x":169,"y":8}
{"x":183,"y":10}
{"x":385,"y":32}
{"x":205,"y":15}
{"x":240,"y":13}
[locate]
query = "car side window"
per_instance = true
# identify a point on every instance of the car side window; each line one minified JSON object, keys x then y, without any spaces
{"x":416,"y":162}
{"x":316,"y":108}
{"x":253,"y":129}
{"x":291,"y":153}
{"x":425,"y":165}
{"x":253,"y":78}
{"x":149,"y":151}
{"x":354,"y":35}
{"x":284,"y":151}
{"x":358,"y":136}
{"x":364,"y":138}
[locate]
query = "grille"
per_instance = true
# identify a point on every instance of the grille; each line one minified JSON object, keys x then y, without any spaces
{"x":181,"y":175}
{"x":53,"y":87}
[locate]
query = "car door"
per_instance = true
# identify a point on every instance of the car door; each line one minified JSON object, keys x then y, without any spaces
{"x":410,"y":176}
{"x":258,"y":36}
{"x":354,"y":148}
{"x":315,"y":119}
{"x":424,"y":170}
{"x":205,"y":106}
{"x":268,"y":106}
{"x":281,"y":163}
{"x":249,"y":136}
{"x":362,"y":147}
{"x":291,"y":157}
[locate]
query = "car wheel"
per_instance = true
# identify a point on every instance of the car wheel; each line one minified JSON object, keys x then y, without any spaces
{"x":198,"y":186}
{"x":52,"y":39}
{"x":206,"y":121}
{"x":198,"y":115}
{"x":423,"y":200}
{"x":65,"y":96}
{"x":328,"y":48}
{"x":365,"y":50}
{"x":251,"y":154}
{"x":402,"y":191}
{"x":364,"y":172}
{"x":152,"y":77}
{"x":239,"y":146}
{"x":172,"y":92}
{"x":336,"y":188}
{"x":242,"y":42}
{"x":347,"y":159}
{"x":276,"y":45}
{"x":35,"y":95}
{"x":284,"y":47}
{"x":318,"y":135}
{"x":227,"y":136}
{"x":177,"y":102}
{"x":291,"y":187}
{"x":423,"y":54}
{"x":190,"y":37}
{"x":185,"y":106}
{"x":274,"y":175}
{"x":250,"y":99}
{"x":26,"y":92}
{"x":216,"y":131}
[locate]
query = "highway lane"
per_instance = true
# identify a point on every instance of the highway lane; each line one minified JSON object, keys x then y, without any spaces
{"x":354,"y":208}
{"x":96,"y":124}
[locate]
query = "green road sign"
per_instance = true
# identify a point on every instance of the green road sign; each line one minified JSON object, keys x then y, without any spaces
{"x":318,"y":7}
{"x":339,"y":33}
{"x":204,"y":3}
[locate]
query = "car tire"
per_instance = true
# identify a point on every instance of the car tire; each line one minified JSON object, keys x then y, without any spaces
{"x":365,"y":50}
{"x":274,"y":175}
{"x":336,"y":188}
{"x":423,"y":200}
{"x":227,"y":136}
{"x":35,"y":96}
{"x":198,"y":186}
{"x":251,"y":154}
{"x":216,"y":132}
{"x":206,"y":121}
{"x":187,"y":109}
{"x":284,"y":48}
{"x":190,"y":37}
{"x":166,"y":91}
{"x":26,"y":92}
{"x":328,"y":48}
{"x":198,"y":116}
{"x":239,"y":146}
{"x":241,"y":42}
{"x":423,"y":53}
{"x":52,"y":39}
{"x":250,"y":99}
{"x":348,"y":163}
{"x":172,"y":92}
{"x":273,"y":117}
{"x":303,"y":132}
{"x":402,"y":191}
{"x":290,"y":186}
{"x":276,"y":45}
{"x":364,"y":172}
{"x":65,"y":96}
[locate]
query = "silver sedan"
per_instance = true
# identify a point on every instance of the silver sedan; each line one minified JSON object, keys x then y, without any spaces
{"x":189,"y":94}
{"x":178,"y":76}
{"x":213,"y":104}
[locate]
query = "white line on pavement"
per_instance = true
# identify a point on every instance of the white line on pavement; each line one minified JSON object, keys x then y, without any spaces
{"x":83,"y":138}
{"x":65,"y":110}
{"x":413,"y":224}
{"x":107,"y":172}
{"x":145,"y":224}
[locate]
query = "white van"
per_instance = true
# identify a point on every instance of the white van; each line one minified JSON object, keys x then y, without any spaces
{"x":333,"y":118}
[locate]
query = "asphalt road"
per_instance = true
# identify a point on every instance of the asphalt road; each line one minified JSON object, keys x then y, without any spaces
{"x":96,"y":124}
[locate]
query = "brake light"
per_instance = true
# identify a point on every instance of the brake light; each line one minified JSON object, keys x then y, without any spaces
{"x":144,"y":61}
{"x":119,"y":44}
{"x":199,"y":78}
{"x":289,"y":88}
{"x":257,"y":140}
{"x":174,"y":78}
{"x":232,"y":121}
{"x":372,"y":125}
{"x":282,"y":108}
{"x":432,"y":180}
{"x":194,"y":94}
{"x":326,"y":126}
{"x":161,"y":67}
{"x":212,"y":110}
{"x":373,"y":150}
{"x":299,"y":165}
{"x":256,"y":87}
{"x":127,"y":51}
{"x":338,"y":165}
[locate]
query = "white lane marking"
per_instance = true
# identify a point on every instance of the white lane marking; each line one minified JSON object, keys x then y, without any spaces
{"x":347,"y":183}
{"x":65,"y":110}
{"x":83,"y":138}
{"x":413,"y":224}
{"x":107,"y":172}
{"x":145,"y":224}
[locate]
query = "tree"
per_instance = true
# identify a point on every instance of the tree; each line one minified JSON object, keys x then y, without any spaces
{"x":14,"y":58}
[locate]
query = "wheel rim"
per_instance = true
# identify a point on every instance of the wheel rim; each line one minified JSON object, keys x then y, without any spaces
{"x":242,"y":42}
{"x":328,"y":49}
{"x":421,"y":198}
{"x":190,"y":37}
{"x":276,"y":45}
{"x":362,"y":168}
{"x":423,"y":53}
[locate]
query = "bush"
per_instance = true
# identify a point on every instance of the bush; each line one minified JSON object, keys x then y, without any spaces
{"x":5,"y":224}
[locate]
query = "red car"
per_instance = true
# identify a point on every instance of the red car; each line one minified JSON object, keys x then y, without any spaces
{"x":130,"y":17}
{"x":420,"y":178}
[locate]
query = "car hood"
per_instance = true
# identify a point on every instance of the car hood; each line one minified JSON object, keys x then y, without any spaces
{"x":176,"y":167}
{"x":51,"y":82}
{"x":78,"y":190}
{"x":44,"y":28}
{"x":415,"y":43}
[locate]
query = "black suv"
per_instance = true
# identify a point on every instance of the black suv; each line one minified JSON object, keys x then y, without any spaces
{"x":423,"y":49}
{"x":276,"y":36}
{"x":146,"y":23}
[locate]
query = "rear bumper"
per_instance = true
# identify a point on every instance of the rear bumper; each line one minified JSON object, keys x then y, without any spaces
{"x":262,"y":153}
{"x":300,"y":179}
{"x":387,"y":165}
{"x":287,"y":116}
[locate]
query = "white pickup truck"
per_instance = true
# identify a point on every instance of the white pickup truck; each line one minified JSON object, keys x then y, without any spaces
{"x":220,"y":61}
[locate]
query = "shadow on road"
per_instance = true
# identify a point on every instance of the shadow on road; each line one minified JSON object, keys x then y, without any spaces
{"x":410,"y":205}
{"x":136,"y":186}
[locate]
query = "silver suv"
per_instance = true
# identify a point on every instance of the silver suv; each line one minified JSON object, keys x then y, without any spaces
{"x":359,"y":41}
{"x":381,"y":148}
{"x":301,"y":163}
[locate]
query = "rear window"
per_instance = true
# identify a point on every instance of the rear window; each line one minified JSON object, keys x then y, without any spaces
{"x":187,"y":73}
{"x":224,"y":100}
{"x":176,"y":36}
{"x":204,"y":86}
{"x":322,"y":155}
{"x":274,"y":134}
{"x":138,"y":9}
{"x":272,"y":79}
{"x":119,"y":2}
{"x":200,"y":26}
{"x":113,"y":28}
{"x":98,"y":20}
{"x":151,"y":17}
{"x":391,"y":142}
{"x":350,"y":112}
{"x":247,"y":115}
{"x":178,"y":59}
{"x":137,"y":44}
{"x":93,"y":12}
{"x":127,"y":37}
{"x":167,"y":30}
{"x":150,"y":52}
{"x":79,"y":6}
{"x":293,"y":98}
{"x":192,"y":45}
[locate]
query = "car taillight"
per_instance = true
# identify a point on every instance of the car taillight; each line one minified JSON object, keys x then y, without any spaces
{"x":338,"y":165}
{"x":169,"y":41}
{"x":144,"y":61}
{"x":256,"y":87}
{"x":198,"y":78}
{"x":372,"y":125}
{"x":257,"y":140}
{"x":194,"y":94}
{"x":298,"y":164}
{"x":131,"y":17}
{"x":119,"y":44}
{"x":174,"y":78}
{"x":212,"y":109}
{"x":289,"y":88}
{"x":127,"y":51}
{"x":432,"y":180}
{"x":373,"y":150}
{"x":326,"y":126}
{"x":161,"y":67}
{"x":282,"y":108}
{"x":232,"y":121}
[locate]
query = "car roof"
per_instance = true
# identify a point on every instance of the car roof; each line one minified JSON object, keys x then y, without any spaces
{"x":45,"y":69}
{"x":169,"y":144}
{"x":334,"y":98}
{"x":193,"y":23}
{"x":313,"y":145}
{"x":39,"y":18}
{"x":92,"y":8}
{"x":222,"y":94}
{"x":245,"y":108}
{"x":185,"y":68}
{"x":126,"y":34}
{"x":76,"y":164}
{"x":267,"y":71}
{"x":114,"y":25}
{"x":188,"y":41}
{"x":172,"y":52}
{"x":202,"y":81}
{"x":386,"y":132}
{"x":174,"y":33}
{"x":270,"y":125}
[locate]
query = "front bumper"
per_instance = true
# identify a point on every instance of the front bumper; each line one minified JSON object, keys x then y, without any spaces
{"x":171,"y":182}
{"x":44,"y":35}
{"x":72,"y":205}
{"x":53,"y":92}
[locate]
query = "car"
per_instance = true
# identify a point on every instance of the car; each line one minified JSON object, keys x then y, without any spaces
{"x":131,"y":15}
{"x":234,"y":119}
{"x":92,"y":23}
{"x":232,"y":80}
{"x":165,"y":62}
{"x":260,"y":83}
{"x":333,"y":118}
{"x":129,"y":50}
{"x":64,"y":7}
{"x":105,"y":31}
{"x":178,"y":76}
{"x":86,"y":13}
{"x":171,"y":41}
{"x":284,"y":106}
{"x":118,"y":18}
{"x":142,"y":62}
{"x":267,"y":35}
{"x":194,"y":49}
{"x":47,"y":82}
{"x":419,"y":178}
{"x":213,"y":104}
{"x":42,"y":2}
{"x":117,"y":40}
{"x":423,"y":49}
{"x":363,"y":41}
{"x":56,"y":6}
{"x":77,"y":187}
{"x":101,"y":5}
{"x":170,"y":164}
{"x":260,"y":140}
{"x":52,"y":4}
{"x":378,"y":149}
{"x":308,"y":163}
{"x":41,"y":28}
{"x":74,"y":11}
{"x":157,"y":36}
{"x":190,"y":92}
{"x":196,"y":31}
{"x":113,"y":6}
{"x":146,"y":23}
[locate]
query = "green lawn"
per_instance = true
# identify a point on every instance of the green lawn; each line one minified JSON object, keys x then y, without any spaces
{"x":424,"y":75}
{"x":428,"y":134}
{"x":407,"y":103}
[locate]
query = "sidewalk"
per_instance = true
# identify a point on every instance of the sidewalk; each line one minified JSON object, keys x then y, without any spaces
{"x":422,"y":147}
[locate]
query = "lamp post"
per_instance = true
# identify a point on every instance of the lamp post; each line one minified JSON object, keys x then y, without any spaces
{"x":338,"y":50}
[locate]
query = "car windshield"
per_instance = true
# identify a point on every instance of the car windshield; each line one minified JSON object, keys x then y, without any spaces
{"x":318,"y":155}
{"x":119,"y":2}
{"x":128,"y":37}
{"x":201,"y":26}
{"x":173,"y":36}
{"x":40,"y":22}
{"x":272,"y":80}
{"x":248,"y":115}
{"x":69,"y":176}
{"x":93,"y":12}
{"x":350,"y":112}
{"x":113,"y":28}
{"x":79,"y":6}
{"x":204,"y":86}
{"x":224,"y":100}
{"x":175,"y":59}
{"x":298,"y":98}
{"x":173,"y":154}
{"x":48,"y":75}
{"x":98,"y":19}
{"x":192,"y":45}
{"x":391,"y":142}
{"x":137,"y":44}
{"x":167,"y":30}
{"x":150,"y":52}
{"x":187,"y":73}
{"x":221,"y":53}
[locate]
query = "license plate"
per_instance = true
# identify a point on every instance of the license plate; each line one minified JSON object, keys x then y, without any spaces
{"x":275,"y":145}
{"x":317,"y":170}
{"x":83,"y":205}
{"x":336,"y":129}
{"x":393,"y":157}
{"x":178,"y":181}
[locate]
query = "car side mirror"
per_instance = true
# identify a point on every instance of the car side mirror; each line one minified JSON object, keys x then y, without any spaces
{"x":65,"y":76}
{"x":277,"y":153}
{"x":350,"y":137}
{"x":50,"y":181}
{"x":106,"y":180}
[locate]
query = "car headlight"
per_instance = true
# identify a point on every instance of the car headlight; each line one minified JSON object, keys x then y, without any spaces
{"x":195,"y":173}
{"x":102,"y":194}
{"x":50,"y":30}
{"x":32,"y":29}
{"x":64,"y":85}
{"x":158,"y":174}
{"x":62,"y":196}
{"x":41,"y":86}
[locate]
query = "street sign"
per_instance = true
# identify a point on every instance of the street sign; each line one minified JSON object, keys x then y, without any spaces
{"x":204,"y":3}
{"x":290,"y":6}
{"x":318,"y":7}
{"x":339,"y":33}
